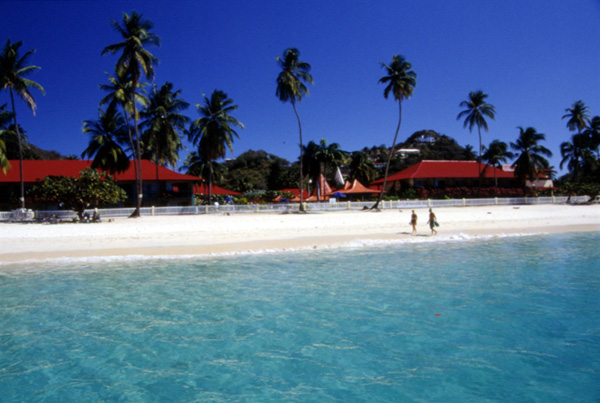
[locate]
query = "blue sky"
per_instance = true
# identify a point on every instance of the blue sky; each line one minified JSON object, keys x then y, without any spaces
{"x":534,"y":58}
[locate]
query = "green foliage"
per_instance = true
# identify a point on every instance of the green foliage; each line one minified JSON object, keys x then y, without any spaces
{"x":256,"y":170}
{"x":90,"y":189}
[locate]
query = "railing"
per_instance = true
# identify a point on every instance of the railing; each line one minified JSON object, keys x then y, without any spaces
{"x":68,"y":215}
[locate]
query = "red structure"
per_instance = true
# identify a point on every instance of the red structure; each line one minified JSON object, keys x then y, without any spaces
{"x":161,"y":185}
{"x":441,"y":174}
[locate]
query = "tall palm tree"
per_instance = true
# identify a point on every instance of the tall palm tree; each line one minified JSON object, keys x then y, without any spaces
{"x":133,"y":61}
{"x":495,"y":155}
{"x":578,"y":116}
{"x":213,"y":133}
{"x":13,"y":73}
{"x":5,"y":118}
{"x":290,"y":87}
{"x":401,"y":81}
{"x":530,"y":155}
{"x":107,"y":134}
{"x":475,"y":112}
{"x":163,"y":125}
{"x":362,"y":168}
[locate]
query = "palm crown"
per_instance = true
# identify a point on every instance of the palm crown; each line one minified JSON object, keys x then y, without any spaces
{"x":530,"y":160}
{"x":400,"y":79}
{"x":578,"y":116}
{"x":294,"y":73}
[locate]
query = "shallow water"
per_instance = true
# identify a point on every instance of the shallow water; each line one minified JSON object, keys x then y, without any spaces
{"x":512,"y":319}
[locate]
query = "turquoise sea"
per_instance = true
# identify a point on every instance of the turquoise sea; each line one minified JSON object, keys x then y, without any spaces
{"x":484,"y":320}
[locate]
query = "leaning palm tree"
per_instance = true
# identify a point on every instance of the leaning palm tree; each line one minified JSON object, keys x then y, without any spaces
{"x":401,"y":81}
{"x":133,"y":61}
{"x":213,"y":133}
{"x":13,"y":73}
{"x":530,"y":155}
{"x":476,"y":109}
{"x":107,"y":134}
{"x":495,"y":155}
{"x":578,"y":116}
{"x":163,"y":126}
{"x":290,"y":87}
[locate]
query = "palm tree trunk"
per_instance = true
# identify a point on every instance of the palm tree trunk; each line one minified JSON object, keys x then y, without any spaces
{"x":210,"y":182}
{"x":389,"y":159}
{"x":12,"y":101}
{"x":301,"y":156}
{"x":479,"y":161}
{"x":139,"y":186}
{"x":135,"y":166}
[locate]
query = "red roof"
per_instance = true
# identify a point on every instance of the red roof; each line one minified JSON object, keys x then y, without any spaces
{"x":356,"y":187}
{"x":215,"y":190}
{"x":34,"y":170}
{"x":446,"y":169}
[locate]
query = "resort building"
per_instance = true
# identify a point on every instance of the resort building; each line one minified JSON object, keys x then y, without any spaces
{"x":161,"y":186}
{"x":443,"y":174}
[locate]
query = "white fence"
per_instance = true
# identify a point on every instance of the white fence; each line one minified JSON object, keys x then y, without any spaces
{"x":68,"y":215}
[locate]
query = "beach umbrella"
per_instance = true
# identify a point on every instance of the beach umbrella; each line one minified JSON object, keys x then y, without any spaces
{"x":284,"y":201}
{"x":228,"y":199}
{"x":338,"y":194}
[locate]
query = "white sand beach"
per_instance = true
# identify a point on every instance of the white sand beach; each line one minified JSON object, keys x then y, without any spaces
{"x":220,"y":233}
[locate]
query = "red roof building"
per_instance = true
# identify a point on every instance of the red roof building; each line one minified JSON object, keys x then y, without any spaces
{"x":161,"y":185}
{"x":433,"y":174}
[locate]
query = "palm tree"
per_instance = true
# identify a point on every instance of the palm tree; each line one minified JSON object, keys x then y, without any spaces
{"x":401,"y":82}
{"x":290,"y":87}
{"x":164,"y":124}
{"x":107,"y":133}
{"x":133,"y":61}
{"x":577,"y":154}
{"x":495,"y":155}
{"x":530,"y":158}
{"x":13,"y":73}
{"x":318,"y":157}
{"x":362,"y":168}
{"x":213,"y":133}
{"x":578,"y":117}
{"x":476,"y":109}
{"x":5,"y":118}
{"x":593,"y":132}
{"x":468,"y":153}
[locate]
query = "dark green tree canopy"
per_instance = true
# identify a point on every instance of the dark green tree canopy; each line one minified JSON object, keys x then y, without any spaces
{"x":90,"y":189}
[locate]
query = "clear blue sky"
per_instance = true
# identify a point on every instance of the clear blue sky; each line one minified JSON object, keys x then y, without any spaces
{"x":534,"y":58}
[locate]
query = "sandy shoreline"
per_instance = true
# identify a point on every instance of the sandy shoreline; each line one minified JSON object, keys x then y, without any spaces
{"x":220,"y":234}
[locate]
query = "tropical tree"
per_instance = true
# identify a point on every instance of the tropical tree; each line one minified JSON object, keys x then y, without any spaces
{"x":213,"y":133}
{"x":469,"y":154}
{"x":319,"y":157}
{"x":290,"y":87}
{"x":133,"y":61}
{"x":495,"y":155}
{"x":362,"y":168}
{"x":107,"y":133}
{"x":13,"y":77}
{"x":163,"y":126}
{"x":593,"y":132}
{"x":5,"y":118}
{"x":401,"y":81}
{"x":578,"y":117}
{"x":530,"y":159}
{"x":577,"y":154}
{"x":475,"y":112}
{"x":89,"y":189}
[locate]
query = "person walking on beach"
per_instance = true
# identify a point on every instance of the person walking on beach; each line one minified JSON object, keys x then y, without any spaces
{"x":413,"y":222}
{"x":432,"y":222}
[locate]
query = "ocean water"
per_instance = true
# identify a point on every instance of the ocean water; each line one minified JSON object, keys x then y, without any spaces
{"x":485,"y":320}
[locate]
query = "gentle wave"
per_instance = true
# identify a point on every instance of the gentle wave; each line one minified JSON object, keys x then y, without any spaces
{"x":63,"y":263}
